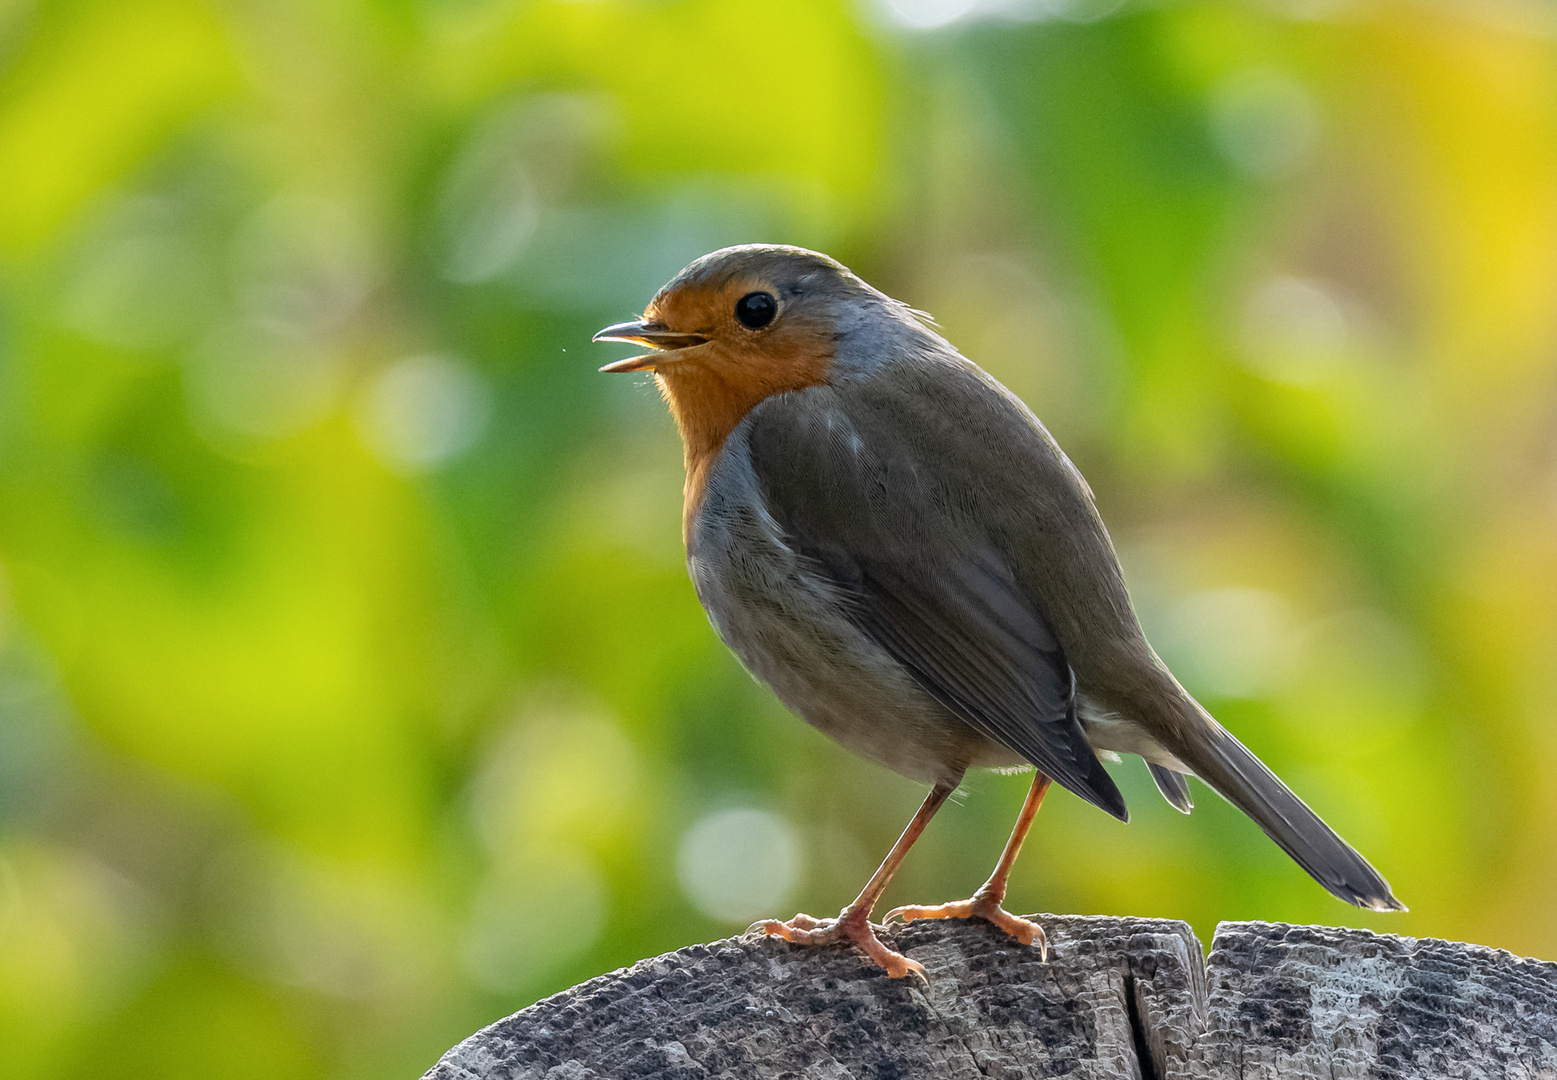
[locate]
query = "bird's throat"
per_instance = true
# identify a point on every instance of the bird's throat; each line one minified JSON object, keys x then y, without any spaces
{"x":707,"y":402}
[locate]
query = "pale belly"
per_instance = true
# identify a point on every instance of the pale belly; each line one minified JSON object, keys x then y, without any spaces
{"x":787,"y":627}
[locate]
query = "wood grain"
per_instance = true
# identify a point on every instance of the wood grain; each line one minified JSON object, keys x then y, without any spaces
{"x":1118,"y":997}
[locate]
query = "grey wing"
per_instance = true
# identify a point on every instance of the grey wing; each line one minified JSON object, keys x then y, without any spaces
{"x":922,"y":584}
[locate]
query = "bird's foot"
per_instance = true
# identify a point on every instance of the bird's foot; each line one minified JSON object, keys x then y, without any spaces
{"x":850,"y":925}
{"x":978,"y":907}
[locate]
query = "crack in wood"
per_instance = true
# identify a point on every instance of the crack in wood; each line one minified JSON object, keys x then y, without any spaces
{"x":1146,"y":1068}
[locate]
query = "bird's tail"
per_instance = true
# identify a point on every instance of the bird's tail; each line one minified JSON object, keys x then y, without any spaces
{"x":1243,"y":780}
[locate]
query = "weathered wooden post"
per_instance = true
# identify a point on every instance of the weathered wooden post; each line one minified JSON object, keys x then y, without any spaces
{"x":1117,"y":998}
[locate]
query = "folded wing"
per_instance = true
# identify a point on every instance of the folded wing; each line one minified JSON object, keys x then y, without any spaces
{"x":920,"y":581}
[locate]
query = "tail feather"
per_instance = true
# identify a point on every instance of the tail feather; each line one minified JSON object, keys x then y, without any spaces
{"x":1243,"y":780}
{"x":1173,"y":786}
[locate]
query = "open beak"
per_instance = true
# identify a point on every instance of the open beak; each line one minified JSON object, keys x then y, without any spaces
{"x":653,"y":334}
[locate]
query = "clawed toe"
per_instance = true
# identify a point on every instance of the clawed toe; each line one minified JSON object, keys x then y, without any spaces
{"x":1024,"y":930}
{"x":957,"y":909}
{"x":805,"y":930}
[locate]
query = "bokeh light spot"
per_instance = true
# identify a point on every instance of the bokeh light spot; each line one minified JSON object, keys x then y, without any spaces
{"x":1230,"y":642}
{"x":561,"y":773}
{"x":248,"y":383}
{"x":929,"y":14}
{"x":142,"y":287}
{"x":1264,"y":122}
{"x":738,"y":864}
{"x":422,"y":411}
{"x":1295,"y":331}
{"x":532,"y":918}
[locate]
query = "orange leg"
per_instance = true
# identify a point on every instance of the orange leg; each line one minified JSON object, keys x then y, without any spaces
{"x":853,"y":922}
{"x":985,"y":904}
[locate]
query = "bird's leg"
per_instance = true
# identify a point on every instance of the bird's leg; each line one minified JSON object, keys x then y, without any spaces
{"x":853,"y":922}
{"x":985,"y":903}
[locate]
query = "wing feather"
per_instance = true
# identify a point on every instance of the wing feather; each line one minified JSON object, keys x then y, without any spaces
{"x":922,"y":583}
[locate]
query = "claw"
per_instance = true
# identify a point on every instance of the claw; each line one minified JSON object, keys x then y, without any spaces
{"x":897,"y":915}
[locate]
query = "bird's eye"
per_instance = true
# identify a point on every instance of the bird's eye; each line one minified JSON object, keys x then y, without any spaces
{"x":756,"y":310}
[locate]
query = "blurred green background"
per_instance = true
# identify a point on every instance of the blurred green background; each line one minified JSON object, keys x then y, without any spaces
{"x":352,"y":692}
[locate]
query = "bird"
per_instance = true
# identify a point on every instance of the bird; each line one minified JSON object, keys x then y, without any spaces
{"x":893,"y":542}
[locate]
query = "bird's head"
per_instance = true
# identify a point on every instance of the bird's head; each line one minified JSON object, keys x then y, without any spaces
{"x":744,"y":323}
{"x":740,"y":313}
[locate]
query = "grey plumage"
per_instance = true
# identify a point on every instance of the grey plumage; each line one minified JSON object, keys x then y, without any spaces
{"x":864,"y":519}
{"x":951,"y":616}
{"x":893,"y":541}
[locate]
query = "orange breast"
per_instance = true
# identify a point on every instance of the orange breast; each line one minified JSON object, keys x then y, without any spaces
{"x":710,"y":393}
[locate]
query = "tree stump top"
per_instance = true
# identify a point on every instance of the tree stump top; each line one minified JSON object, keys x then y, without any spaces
{"x":1118,"y":997}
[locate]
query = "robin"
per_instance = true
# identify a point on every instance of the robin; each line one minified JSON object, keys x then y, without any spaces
{"x":891,"y":540}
